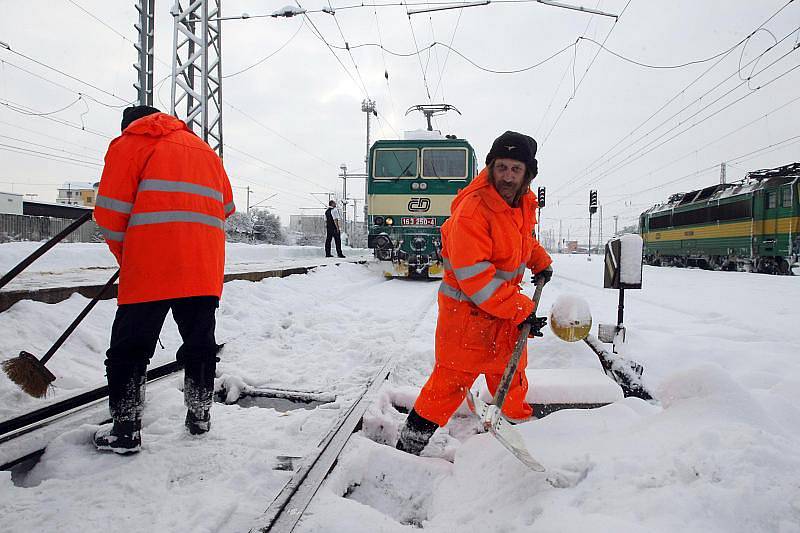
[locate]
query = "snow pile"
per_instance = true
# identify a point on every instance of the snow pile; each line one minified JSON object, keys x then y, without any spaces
{"x":630,"y":268}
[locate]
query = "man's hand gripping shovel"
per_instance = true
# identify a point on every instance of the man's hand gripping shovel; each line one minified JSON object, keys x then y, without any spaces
{"x":491,"y":415}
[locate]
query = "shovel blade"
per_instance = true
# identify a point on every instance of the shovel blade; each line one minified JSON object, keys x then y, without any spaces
{"x":495,"y":423}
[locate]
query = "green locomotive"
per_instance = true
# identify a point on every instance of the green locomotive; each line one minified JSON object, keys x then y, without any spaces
{"x":411,"y":183}
{"x":752,"y":225}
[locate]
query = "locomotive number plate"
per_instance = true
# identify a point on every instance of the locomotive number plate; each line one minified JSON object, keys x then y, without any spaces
{"x":418,"y":221}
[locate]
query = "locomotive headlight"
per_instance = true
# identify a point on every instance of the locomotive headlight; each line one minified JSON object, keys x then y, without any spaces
{"x":418,"y":243}
{"x":415,"y":185}
{"x":389,"y":221}
{"x":378,"y":221}
{"x":423,"y":186}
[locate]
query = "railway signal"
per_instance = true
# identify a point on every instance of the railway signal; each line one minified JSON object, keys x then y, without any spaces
{"x":592,"y":211}
{"x":541,"y":196}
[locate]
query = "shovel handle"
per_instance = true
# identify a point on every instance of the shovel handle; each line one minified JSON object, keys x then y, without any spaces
{"x":78,"y":319}
{"x":25,"y":263}
{"x":513,"y":363}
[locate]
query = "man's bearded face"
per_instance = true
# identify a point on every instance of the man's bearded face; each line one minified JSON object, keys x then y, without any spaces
{"x":507,"y":176}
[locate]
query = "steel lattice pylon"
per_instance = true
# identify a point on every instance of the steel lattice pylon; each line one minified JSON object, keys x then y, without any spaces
{"x":197,"y":68}
{"x":144,"y":47}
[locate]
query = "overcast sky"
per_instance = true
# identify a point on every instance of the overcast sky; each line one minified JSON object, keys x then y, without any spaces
{"x":308,"y":103}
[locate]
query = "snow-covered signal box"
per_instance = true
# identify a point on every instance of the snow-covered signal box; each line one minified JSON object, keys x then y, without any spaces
{"x":624,"y":262}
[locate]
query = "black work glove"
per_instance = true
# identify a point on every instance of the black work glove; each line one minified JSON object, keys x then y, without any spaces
{"x":537,"y":324}
{"x":544,"y":276}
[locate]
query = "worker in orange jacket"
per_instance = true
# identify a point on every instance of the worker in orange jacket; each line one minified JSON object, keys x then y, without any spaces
{"x":162,"y":204}
{"x":487,"y":244}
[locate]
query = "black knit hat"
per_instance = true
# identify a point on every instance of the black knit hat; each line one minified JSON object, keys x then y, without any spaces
{"x":136,"y":112}
{"x":513,"y":145}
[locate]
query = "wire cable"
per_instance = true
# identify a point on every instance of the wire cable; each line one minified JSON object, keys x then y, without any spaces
{"x":639,"y":153}
{"x":419,"y":58}
{"x":284,"y":45}
{"x":587,"y":168}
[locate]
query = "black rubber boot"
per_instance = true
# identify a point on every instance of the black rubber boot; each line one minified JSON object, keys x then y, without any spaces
{"x":415,"y":434}
{"x":198,"y":395}
{"x":120,"y":437}
{"x":126,"y":391}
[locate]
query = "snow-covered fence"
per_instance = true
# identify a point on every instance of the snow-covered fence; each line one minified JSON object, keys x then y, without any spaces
{"x":33,"y":228}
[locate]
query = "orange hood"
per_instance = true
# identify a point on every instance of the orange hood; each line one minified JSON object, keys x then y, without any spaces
{"x":156,"y":125}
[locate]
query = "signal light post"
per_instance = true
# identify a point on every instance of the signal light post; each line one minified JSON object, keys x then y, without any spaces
{"x":540,"y":197}
{"x":592,"y":211}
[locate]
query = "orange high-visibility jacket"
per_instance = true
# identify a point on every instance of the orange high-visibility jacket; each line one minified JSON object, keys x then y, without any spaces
{"x":486,"y":246}
{"x":162,"y":204}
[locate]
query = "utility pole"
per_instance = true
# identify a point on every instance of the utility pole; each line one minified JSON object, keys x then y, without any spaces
{"x":353,"y":224}
{"x":343,"y":167}
{"x":144,"y":48}
{"x":722,"y":172}
{"x":197,"y":68}
{"x":616,"y":218}
{"x":248,"y":201}
{"x":600,"y":229}
{"x":368,"y":107}
{"x":592,"y":211}
{"x":559,"y":236}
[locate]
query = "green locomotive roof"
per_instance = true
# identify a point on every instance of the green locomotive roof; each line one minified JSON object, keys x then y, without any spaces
{"x":728,"y":192}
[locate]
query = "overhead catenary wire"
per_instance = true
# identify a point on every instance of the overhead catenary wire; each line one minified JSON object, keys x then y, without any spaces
{"x":588,"y":167}
{"x":278,"y":134}
{"x":49,"y":147}
{"x":271,"y":54}
{"x":385,"y":66}
{"x":585,"y":72}
{"x":563,"y":77}
{"x":733,"y":160}
{"x":66,"y":75}
{"x":419,"y":58}
{"x":643,"y":151}
{"x":349,"y":52}
{"x":45,"y":155}
{"x":714,"y":141}
{"x":447,"y":55}
{"x":684,"y":108}
{"x":28,"y":111}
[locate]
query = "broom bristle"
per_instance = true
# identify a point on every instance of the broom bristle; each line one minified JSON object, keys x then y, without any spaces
{"x":29,"y":373}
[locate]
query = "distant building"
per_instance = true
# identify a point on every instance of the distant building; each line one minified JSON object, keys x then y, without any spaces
{"x":10,"y":203}
{"x":78,"y":193}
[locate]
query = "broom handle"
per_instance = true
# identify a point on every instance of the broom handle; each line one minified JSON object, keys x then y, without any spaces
{"x":78,"y":319}
{"x":513,"y":363}
{"x":25,"y":263}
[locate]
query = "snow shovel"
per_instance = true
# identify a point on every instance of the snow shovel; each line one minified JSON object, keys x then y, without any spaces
{"x":491,"y":415}
{"x":29,"y":372}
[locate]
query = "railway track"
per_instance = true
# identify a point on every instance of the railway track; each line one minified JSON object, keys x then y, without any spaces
{"x":23,"y":439}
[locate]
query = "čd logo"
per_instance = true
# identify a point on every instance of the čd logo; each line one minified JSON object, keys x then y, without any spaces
{"x":419,"y":205}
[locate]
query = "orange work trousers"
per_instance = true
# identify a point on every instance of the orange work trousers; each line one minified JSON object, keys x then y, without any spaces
{"x":446,"y":389}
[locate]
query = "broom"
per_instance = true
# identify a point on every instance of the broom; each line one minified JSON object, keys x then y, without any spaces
{"x":29,"y":372}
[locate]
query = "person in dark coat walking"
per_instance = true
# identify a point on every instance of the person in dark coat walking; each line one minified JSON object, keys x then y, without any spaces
{"x":162,"y":204}
{"x":332,"y":217}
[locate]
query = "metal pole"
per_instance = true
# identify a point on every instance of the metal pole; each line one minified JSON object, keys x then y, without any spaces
{"x":600,"y":229}
{"x":590,"y":237}
{"x":344,"y":195}
{"x":621,"y":306}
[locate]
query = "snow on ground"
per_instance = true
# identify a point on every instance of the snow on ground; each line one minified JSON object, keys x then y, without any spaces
{"x":720,"y":451}
{"x":70,"y":264}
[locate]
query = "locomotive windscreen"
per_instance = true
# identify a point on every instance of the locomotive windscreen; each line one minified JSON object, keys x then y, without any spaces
{"x":450,"y":163}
